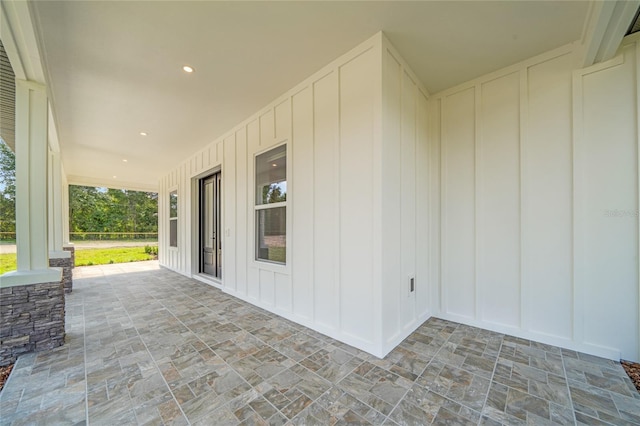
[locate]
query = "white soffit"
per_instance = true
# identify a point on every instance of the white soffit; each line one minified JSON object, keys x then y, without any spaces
{"x":7,"y":100}
{"x":606,"y":24}
{"x":115,"y":68}
{"x":19,"y":59}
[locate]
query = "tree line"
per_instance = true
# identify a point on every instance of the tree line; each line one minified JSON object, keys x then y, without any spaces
{"x":112,"y":210}
{"x":90,"y":209}
{"x":7,"y":189}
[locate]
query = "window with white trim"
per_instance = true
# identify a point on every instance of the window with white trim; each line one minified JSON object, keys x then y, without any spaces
{"x":173,"y":219}
{"x":271,"y":205}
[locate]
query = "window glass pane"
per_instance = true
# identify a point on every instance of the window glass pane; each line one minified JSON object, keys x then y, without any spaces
{"x":173,"y":233}
{"x":271,"y":176}
{"x":271,"y":229}
{"x":173,"y":204}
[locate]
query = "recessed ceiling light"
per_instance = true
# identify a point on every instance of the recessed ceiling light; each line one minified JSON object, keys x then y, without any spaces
{"x":188,"y":69}
{"x":274,"y":165}
{"x":143,"y":133}
{"x":124,"y":160}
{"x":115,"y":177}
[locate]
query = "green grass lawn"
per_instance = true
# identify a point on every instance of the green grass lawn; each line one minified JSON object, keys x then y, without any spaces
{"x":86,"y":257}
{"x":89,"y":257}
{"x":7,"y":262}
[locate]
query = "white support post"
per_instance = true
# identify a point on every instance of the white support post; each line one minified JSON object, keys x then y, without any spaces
{"x":66,"y":241}
{"x":31,"y":188}
{"x":56,"y":211}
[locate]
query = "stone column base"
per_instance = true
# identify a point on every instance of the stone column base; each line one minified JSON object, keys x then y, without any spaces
{"x":72,"y":250}
{"x":67,"y":275}
{"x":31,"y":319}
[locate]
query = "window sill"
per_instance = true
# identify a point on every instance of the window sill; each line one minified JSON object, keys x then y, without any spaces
{"x":271,"y":266}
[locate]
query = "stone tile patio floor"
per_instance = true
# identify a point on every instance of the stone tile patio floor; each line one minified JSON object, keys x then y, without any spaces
{"x":148,"y":346}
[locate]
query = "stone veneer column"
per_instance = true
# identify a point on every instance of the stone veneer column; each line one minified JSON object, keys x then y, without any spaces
{"x":31,"y":298}
{"x":31,"y":319}
{"x":71,"y":249}
{"x":67,"y":273}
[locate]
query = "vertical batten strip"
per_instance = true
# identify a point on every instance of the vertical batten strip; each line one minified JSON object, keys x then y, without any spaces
{"x":429,"y":283}
{"x":577,"y":247}
{"x":338,"y":231}
{"x":183,"y":217}
{"x":444,"y":305}
{"x":438,"y":184}
{"x":637,"y":46}
{"x":248,"y":210}
{"x":414,"y":263}
{"x":401,"y":98}
{"x":477,"y":144}
{"x":233,"y":234}
{"x":376,"y":216}
{"x":161,"y":232}
{"x":290,"y":202}
{"x":524,"y":128}
{"x":275,"y":124}
{"x":312,"y":88}
{"x":434,"y":202}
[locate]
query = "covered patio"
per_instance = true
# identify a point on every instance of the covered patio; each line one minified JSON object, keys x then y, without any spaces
{"x":442,"y":189}
{"x":145,"y":345}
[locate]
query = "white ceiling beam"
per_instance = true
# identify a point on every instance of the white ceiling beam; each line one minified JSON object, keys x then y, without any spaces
{"x":9,"y":42}
{"x":605,"y":26}
{"x":19,"y":39}
{"x":115,"y":184}
{"x":54,"y":145}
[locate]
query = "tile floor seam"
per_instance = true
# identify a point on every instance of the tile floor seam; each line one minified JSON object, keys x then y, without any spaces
{"x":335,"y":384}
{"x":8,"y":382}
{"x":368,"y":405}
{"x":109,"y":324}
{"x":297,"y":363}
{"x":609,"y":393}
{"x":566,"y":379}
{"x":407,"y":391}
{"x":388,"y":417}
{"x":6,"y":385}
{"x":152,"y":359}
{"x":84,"y":354}
{"x":210,"y":348}
{"x":226,"y":404}
{"x":495,"y":366}
{"x":435,"y":355}
{"x":362,"y":361}
{"x":258,"y":309}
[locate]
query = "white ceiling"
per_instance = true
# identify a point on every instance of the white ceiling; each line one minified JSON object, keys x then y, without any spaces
{"x":114,"y":68}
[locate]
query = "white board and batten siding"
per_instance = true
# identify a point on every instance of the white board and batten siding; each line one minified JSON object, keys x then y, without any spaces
{"x":511,"y":200}
{"x":178,"y":258}
{"x":538,"y":197}
{"x":405,"y":214}
{"x":336,"y":199}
